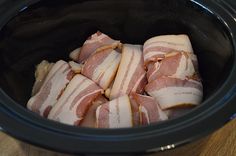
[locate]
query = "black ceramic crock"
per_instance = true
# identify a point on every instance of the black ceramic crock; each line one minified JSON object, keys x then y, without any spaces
{"x":33,"y":30}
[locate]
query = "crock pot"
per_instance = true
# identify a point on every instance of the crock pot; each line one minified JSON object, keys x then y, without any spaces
{"x":33,"y":30}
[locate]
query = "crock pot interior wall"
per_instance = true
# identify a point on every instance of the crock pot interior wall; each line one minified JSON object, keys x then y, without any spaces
{"x":50,"y":30}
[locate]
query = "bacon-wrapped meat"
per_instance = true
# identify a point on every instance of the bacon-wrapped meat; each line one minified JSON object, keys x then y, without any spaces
{"x":95,"y":43}
{"x":54,"y":84}
{"x":131,"y":76}
{"x":155,"y":48}
{"x":115,"y":114}
{"x":173,"y":92}
{"x":149,"y":109}
{"x":101,"y":67}
{"x":175,"y":64}
{"x":89,"y":119}
{"x":75,"y":101}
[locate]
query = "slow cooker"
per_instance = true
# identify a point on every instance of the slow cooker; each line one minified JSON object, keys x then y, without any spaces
{"x":33,"y":30}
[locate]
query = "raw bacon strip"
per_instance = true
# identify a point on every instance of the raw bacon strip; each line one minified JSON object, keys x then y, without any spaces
{"x":75,"y":101}
{"x":153,"y":70}
{"x":172,"y":92}
{"x":41,"y":73}
{"x":155,"y":48}
{"x":101,"y":67}
{"x":131,"y":76}
{"x":54,"y":84}
{"x":135,"y":111}
{"x":115,"y":114}
{"x":90,"y":117}
{"x":150,"y":110}
{"x":95,"y":43}
{"x":175,"y":64}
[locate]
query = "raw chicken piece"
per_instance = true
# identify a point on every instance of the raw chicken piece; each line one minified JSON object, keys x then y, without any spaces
{"x":41,"y":73}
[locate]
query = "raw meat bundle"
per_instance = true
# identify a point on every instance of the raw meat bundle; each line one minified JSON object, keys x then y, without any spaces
{"x":101,"y":67}
{"x":95,"y":43}
{"x":149,"y":109}
{"x":131,"y":76}
{"x":173,"y":92}
{"x":175,"y":64}
{"x":75,"y":101}
{"x":53,"y":86}
{"x":173,"y":78}
{"x":89,"y":119}
{"x":155,"y":48}
{"x":115,"y":114}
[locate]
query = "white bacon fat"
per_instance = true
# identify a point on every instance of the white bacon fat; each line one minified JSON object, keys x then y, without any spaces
{"x":173,"y":92}
{"x":95,"y":43}
{"x":131,"y":76}
{"x":54,"y":84}
{"x":75,"y":101}
{"x":155,"y":48}
{"x":101,"y":67}
{"x":115,"y":114}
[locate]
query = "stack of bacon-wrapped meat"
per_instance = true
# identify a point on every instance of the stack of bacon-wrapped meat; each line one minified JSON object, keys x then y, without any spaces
{"x":113,"y":85}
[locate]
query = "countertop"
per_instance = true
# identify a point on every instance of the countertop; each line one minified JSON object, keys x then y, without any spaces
{"x":220,"y":143}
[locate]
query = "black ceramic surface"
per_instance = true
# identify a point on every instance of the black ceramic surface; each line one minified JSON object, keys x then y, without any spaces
{"x":51,"y":29}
